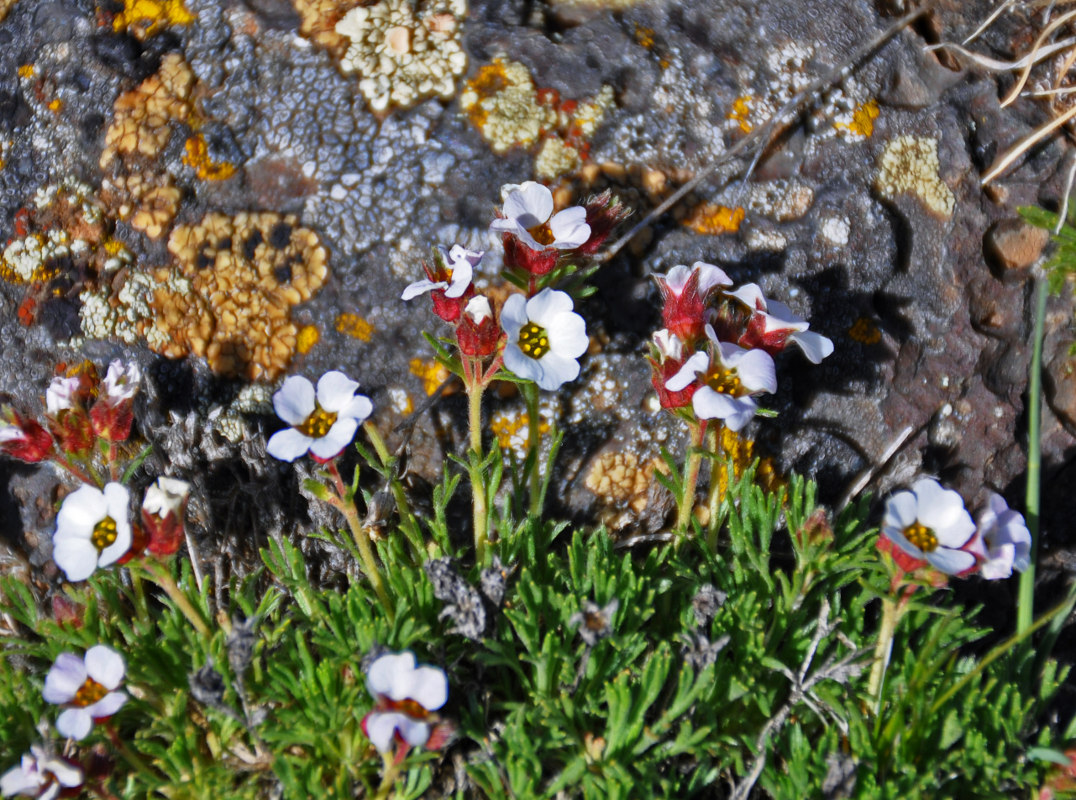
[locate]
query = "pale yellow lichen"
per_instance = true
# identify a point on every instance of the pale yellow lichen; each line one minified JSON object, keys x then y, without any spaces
{"x":910,"y":165}
{"x":619,"y":477}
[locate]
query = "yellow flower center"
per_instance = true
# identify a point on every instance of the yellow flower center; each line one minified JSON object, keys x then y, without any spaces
{"x":726,"y":381}
{"x":922,"y":537}
{"x":542,"y":234}
{"x":533,"y":340}
{"x":89,"y":693}
{"x":411,"y":708}
{"x":104,"y":533}
{"x":317,"y":424}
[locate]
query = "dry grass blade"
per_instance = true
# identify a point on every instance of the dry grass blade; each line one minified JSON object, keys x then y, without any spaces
{"x":1029,"y":141}
{"x":989,"y":21}
{"x":1039,"y":42}
{"x":997,"y":65}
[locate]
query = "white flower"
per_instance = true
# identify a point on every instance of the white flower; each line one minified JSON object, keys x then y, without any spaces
{"x":528,"y":212}
{"x":453,"y":273}
{"x":709,"y":278}
{"x":1003,"y":540}
{"x":668,"y":345}
{"x":478,"y":309}
{"x":87,"y":686}
{"x":40,"y":775}
{"x":777,"y":324}
{"x":120,"y":383}
{"x":166,"y":496}
{"x":728,"y":375}
{"x":931,"y":523}
{"x":406,"y":695}
{"x":92,"y":530}
{"x":545,"y":338}
{"x":61,"y":394}
{"x":323,"y":423}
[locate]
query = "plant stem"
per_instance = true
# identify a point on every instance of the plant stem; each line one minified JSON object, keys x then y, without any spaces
{"x":883,"y":649}
{"x":1025,"y":604}
{"x":343,"y":502}
{"x":534,"y":445}
{"x":407,"y":519}
{"x":161,"y":575}
{"x":475,"y":388}
{"x":717,"y":464}
{"x":388,"y":779}
{"x":691,"y":476}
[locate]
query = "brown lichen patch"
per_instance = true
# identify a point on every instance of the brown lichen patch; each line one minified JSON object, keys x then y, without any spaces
{"x":509,"y":110}
{"x":710,"y":219}
{"x":356,"y":327}
{"x":318,"y":19}
{"x":138,"y":189}
{"x":142,"y":18}
{"x":244,"y":275}
{"x":619,"y":477}
{"x":198,"y":158}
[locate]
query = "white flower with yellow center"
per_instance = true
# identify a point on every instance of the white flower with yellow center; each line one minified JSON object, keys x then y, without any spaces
{"x":1004,"y":541}
{"x":406,"y":695}
{"x":87,"y":686}
{"x":931,"y":523}
{"x":528,"y":214}
{"x":728,"y":376}
{"x":545,"y":338}
{"x":323,"y":422}
{"x":92,"y":530}
{"x":40,"y":775}
{"x":453,"y":273}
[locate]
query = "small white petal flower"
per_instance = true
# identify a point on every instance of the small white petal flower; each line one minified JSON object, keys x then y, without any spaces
{"x":40,"y":775}
{"x":406,"y":694}
{"x":778,"y":324}
{"x":545,"y":338}
{"x":478,"y":309}
{"x":60,"y":396}
{"x":87,"y":686}
{"x":92,"y":530}
{"x":527,"y":208}
{"x":668,"y":345}
{"x":710,"y":277}
{"x":121,"y":383}
{"x":456,"y":271}
{"x":166,"y":496}
{"x":323,"y":422}
{"x":931,"y":523}
{"x":728,"y":376}
{"x":1004,"y":540}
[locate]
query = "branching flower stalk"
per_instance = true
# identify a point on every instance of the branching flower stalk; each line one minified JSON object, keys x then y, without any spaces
{"x":343,"y":501}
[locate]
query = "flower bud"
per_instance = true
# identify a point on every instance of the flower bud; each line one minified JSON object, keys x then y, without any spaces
{"x":23,"y":438}
{"x":162,"y":515}
{"x":112,"y":414}
{"x":67,"y":417}
{"x":477,"y":332}
{"x":521,"y":258}
{"x":604,"y":213}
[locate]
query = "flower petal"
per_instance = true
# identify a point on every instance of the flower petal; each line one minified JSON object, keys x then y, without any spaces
{"x":897,"y":537}
{"x":950,"y":561}
{"x":676,"y":279}
{"x":429,"y":687}
{"x":750,"y":294}
{"x":414,"y":732}
{"x":744,"y":411}
{"x":288,"y":444}
{"x":547,"y":305}
{"x":569,"y":228}
{"x":76,"y":557}
{"x":66,"y":774}
{"x":82,"y":509}
{"x":757,"y":371}
{"x":514,"y":315}
{"x":710,"y":277}
{"x":64,"y":679}
{"x":556,"y":370}
{"x":333,"y":443}
{"x":294,"y":401}
{"x":710,"y":404}
{"x":900,"y":511}
{"x":942,"y":510}
{"x":335,"y":390}
{"x":568,"y":335}
{"x":815,"y":346}
{"x":74,"y":723}
{"x":25,"y":778}
{"x":358,"y":409}
{"x":530,"y":204}
{"x":380,"y":726}
{"x":521,"y":365}
{"x":390,"y":675}
{"x":107,"y":705}
{"x":699,"y":362}
{"x":105,"y":666}
{"x":413,"y":290}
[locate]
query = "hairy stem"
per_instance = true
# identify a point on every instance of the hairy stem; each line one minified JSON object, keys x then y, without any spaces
{"x":478,"y":482}
{"x":717,"y":464}
{"x":883,"y":649}
{"x":691,"y":476}
{"x":534,"y":445}
{"x":342,"y":502}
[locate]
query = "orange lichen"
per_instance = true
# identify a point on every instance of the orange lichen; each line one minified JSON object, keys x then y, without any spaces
{"x":432,"y":373}
{"x":713,"y":220}
{"x":354,"y":326}
{"x":143,"y":18}
{"x":644,"y":36}
{"x":26,"y":71}
{"x":864,"y":331}
{"x":741,"y":112}
{"x":863,"y":117}
{"x":740,"y":452}
{"x":198,"y":158}
{"x":139,"y":189}
{"x":55,"y":105}
{"x":307,"y":338}
{"x":230,"y":297}
{"x":508,"y":428}
{"x":618,"y":477}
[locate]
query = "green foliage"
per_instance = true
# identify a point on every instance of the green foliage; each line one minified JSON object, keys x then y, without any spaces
{"x":668,"y":699}
{"x":1062,"y":263}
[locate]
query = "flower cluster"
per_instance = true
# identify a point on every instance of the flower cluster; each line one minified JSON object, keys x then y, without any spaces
{"x":929,"y":525}
{"x":715,"y":352}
